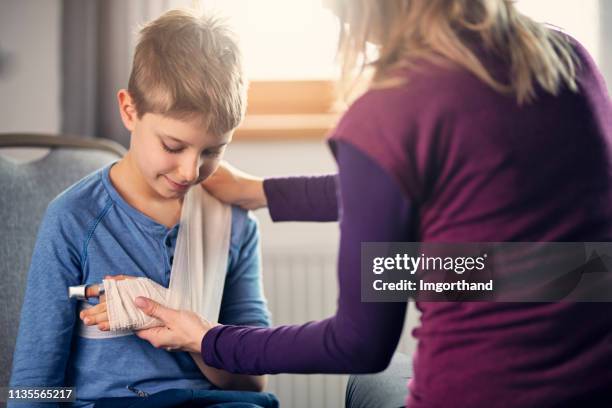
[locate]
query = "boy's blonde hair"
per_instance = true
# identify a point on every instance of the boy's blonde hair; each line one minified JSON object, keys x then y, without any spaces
{"x":437,"y":30}
{"x":189,"y":66}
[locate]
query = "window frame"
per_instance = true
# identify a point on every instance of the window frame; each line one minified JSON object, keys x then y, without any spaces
{"x":289,"y":110}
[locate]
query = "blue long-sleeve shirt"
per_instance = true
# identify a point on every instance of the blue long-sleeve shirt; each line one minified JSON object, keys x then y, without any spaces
{"x":90,"y":231}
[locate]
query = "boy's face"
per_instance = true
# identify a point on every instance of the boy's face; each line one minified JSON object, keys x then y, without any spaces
{"x":173,"y":154}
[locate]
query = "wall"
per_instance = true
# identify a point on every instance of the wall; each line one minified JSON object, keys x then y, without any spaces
{"x":30,"y":65}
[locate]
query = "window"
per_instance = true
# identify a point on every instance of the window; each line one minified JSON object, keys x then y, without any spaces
{"x":283,"y":39}
{"x":579,"y":19}
{"x":289,"y":48}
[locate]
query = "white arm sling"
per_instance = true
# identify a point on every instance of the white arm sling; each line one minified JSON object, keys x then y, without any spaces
{"x":197,"y":277}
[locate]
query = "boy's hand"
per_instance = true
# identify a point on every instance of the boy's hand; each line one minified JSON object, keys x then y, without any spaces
{"x":97,"y":314}
{"x":233,"y":186}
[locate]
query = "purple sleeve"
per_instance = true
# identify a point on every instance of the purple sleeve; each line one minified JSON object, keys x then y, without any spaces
{"x":311,"y":198}
{"x":360,"y":337}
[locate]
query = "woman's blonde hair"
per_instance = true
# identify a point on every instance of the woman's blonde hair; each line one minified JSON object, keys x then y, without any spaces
{"x":443,"y":30}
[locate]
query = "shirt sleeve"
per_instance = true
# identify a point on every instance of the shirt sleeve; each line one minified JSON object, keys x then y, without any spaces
{"x":47,"y":315}
{"x":360,"y":337}
{"x":243,"y":301}
{"x":303,"y":198}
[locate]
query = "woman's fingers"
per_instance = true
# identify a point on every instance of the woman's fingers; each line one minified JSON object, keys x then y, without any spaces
{"x":158,"y":336}
{"x":183,"y":330}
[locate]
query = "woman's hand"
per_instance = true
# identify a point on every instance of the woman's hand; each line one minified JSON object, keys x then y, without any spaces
{"x":234,"y":186}
{"x":182,"y":330}
{"x":97,"y":315}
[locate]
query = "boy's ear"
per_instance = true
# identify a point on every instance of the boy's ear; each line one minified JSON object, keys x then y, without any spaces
{"x":127,"y":109}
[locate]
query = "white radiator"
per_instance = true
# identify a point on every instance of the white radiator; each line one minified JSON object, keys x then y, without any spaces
{"x":302,"y":286}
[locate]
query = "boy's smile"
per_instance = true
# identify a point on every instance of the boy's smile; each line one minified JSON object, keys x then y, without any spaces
{"x":178,"y":187}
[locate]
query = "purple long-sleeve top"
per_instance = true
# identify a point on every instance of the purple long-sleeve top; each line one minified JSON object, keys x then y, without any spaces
{"x":360,"y":337}
{"x":448,"y":159}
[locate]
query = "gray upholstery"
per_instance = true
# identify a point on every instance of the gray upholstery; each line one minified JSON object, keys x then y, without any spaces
{"x":26,"y":189}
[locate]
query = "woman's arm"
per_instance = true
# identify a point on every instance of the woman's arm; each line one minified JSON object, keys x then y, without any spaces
{"x":360,"y":337}
{"x":229,"y":381}
{"x":303,"y":198}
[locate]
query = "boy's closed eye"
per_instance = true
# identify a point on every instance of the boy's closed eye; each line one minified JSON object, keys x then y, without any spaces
{"x":213,"y":152}
{"x":173,"y":150}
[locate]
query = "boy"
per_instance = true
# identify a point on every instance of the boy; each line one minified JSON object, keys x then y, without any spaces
{"x":185,"y":97}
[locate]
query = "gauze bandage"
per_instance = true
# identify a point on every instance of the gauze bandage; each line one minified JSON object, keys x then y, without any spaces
{"x":198,"y":272}
{"x":120,"y":295}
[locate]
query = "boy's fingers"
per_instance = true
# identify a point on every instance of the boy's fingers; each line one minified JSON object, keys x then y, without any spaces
{"x":119,"y":277}
{"x":104,"y":326}
{"x":92,"y":291}
{"x":95,"y":319}
{"x":99,"y":308}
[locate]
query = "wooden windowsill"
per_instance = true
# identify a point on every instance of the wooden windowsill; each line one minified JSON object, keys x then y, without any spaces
{"x":289,"y":110}
{"x":291,"y":97}
{"x":286,"y":127}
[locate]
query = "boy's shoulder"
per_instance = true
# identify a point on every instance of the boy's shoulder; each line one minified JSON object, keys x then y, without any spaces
{"x":85,"y":197}
{"x":244,"y":224}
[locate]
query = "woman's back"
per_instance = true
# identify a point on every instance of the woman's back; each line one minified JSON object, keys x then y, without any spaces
{"x":481,"y":168}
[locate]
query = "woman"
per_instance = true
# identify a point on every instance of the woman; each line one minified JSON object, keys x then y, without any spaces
{"x":478,"y":125}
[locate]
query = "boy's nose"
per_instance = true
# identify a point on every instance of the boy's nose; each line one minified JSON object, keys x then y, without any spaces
{"x":189,"y":172}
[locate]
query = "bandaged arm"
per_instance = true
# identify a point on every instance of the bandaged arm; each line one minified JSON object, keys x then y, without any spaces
{"x":123,"y":314}
{"x":242,"y":302}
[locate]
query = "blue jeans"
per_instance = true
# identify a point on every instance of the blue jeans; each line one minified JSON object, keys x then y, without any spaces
{"x":387,"y":389}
